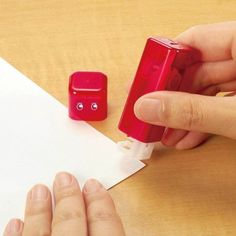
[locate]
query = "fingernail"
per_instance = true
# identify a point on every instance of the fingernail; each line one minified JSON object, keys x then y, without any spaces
{"x":14,"y":226}
{"x":92,"y":185}
{"x":149,"y":109}
{"x":39,"y":193}
{"x":63,"y":179}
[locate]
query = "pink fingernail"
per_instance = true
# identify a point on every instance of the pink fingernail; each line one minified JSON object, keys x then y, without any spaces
{"x":149,"y":109}
{"x":63,"y":179}
{"x":39,"y":193}
{"x":92,"y":185}
{"x":14,"y":226}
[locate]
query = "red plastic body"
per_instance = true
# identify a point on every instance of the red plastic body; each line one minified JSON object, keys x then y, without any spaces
{"x":88,"y":96}
{"x":161,"y":68}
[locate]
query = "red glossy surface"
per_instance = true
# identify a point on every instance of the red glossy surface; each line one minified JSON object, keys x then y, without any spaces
{"x":88,"y":96}
{"x":161,"y":68}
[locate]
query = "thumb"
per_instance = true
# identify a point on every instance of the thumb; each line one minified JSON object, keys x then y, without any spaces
{"x":186,"y":111}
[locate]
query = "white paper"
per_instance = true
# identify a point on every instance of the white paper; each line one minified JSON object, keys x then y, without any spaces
{"x":37,"y":139}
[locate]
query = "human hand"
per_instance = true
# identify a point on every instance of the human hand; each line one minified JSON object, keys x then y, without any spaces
{"x":90,"y":212}
{"x":191,"y":116}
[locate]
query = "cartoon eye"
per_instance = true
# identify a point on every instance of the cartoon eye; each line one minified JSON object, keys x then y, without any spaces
{"x":94,"y":106}
{"x":80,"y":106}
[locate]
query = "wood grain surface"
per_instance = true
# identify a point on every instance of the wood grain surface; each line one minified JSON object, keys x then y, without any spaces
{"x":187,"y":193}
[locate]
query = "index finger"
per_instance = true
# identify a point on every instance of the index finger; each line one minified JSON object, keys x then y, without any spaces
{"x":69,"y":216}
{"x":216,"y":42}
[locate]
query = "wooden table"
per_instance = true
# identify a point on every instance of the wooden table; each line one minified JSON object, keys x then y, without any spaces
{"x":179,"y":192}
